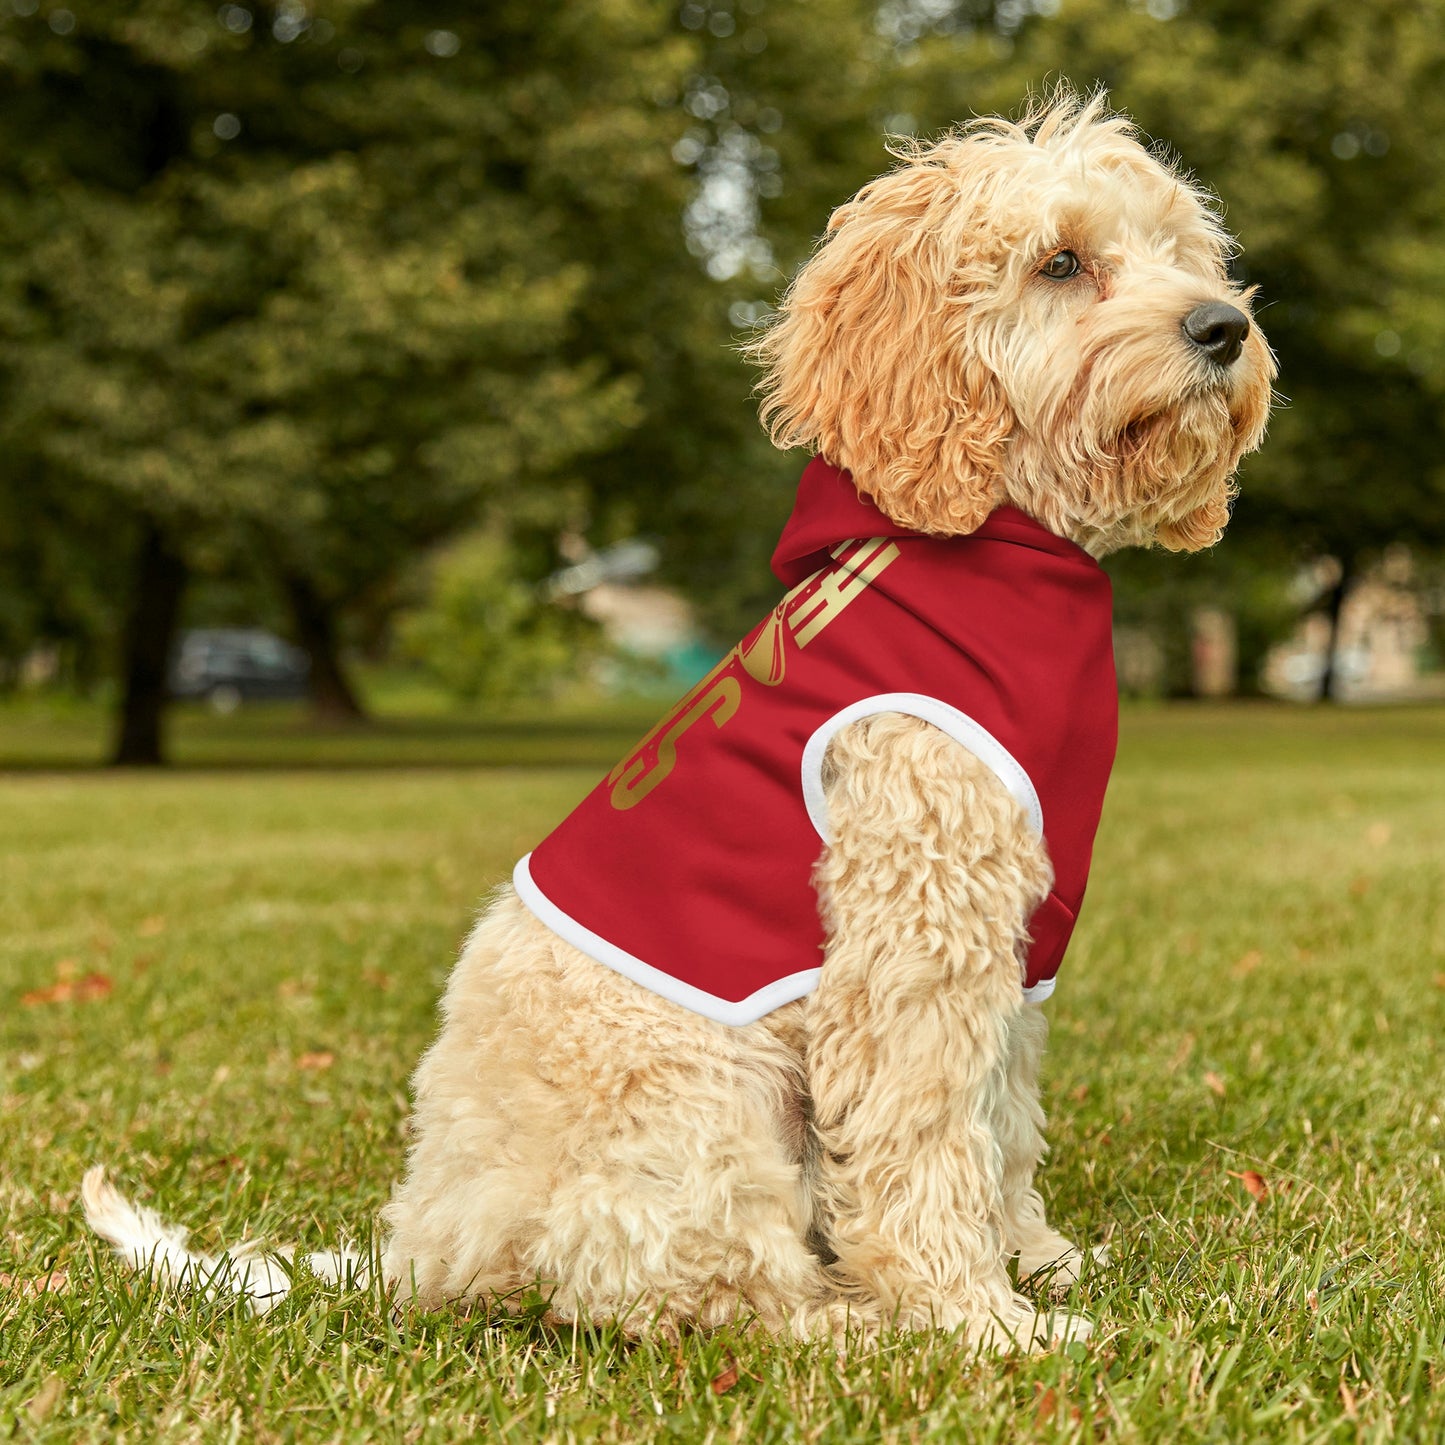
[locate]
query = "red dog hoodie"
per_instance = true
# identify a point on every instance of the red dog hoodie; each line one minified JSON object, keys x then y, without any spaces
{"x":689,"y":867}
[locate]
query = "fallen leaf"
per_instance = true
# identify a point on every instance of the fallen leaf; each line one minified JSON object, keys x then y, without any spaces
{"x":1214,"y":1083}
{"x":56,"y":993}
{"x":1080,"y":1094}
{"x":56,"y":1282}
{"x":320,"y":1059}
{"x":151,"y":927}
{"x":1254,"y":1183}
{"x":724,"y":1382}
{"x":45,"y":1399}
{"x":1440,"y":980}
{"x":1181,"y":1054}
{"x":1248,"y":963}
{"x":1046,"y":1408}
{"x":82,"y":990}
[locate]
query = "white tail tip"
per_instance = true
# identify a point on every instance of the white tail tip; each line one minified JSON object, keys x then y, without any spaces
{"x":147,"y":1243}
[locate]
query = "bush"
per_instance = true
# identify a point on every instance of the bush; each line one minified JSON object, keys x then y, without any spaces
{"x":485,"y":632}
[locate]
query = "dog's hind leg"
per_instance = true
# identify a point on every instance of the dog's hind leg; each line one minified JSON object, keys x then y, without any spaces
{"x":577,"y":1135}
{"x":926,"y":889}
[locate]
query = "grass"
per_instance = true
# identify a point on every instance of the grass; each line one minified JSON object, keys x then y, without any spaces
{"x":217,"y":980}
{"x":409,"y":729}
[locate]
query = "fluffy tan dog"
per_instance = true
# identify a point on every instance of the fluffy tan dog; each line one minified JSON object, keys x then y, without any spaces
{"x":1035,"y":314}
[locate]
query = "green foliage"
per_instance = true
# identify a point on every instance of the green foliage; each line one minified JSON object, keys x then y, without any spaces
{"x":317,"y":286}
{"x":321,"y":298}
{"x":314,"y":286}
{"x":62,"y":552}
{"x":777,"y":118}
{"x":308,"y":296}
{"x":485,"y":633}
{"x":1160,"y":594}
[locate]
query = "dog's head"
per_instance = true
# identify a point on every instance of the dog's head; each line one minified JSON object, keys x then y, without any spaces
{"x":1036,"y":313}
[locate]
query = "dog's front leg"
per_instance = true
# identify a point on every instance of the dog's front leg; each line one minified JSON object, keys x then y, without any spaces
{"x":1042,"y":1251}
{"x":926,"y":888}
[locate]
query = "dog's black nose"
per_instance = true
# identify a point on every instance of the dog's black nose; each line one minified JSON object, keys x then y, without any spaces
{"x":1218,"y":331}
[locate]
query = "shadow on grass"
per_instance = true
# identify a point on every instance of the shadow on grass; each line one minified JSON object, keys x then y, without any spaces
{"x":280,"y":737}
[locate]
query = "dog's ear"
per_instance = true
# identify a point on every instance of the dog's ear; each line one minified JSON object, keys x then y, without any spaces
{"x":874,"y":358}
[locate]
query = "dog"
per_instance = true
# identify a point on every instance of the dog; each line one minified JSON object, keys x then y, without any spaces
{"x":699,"y":1064}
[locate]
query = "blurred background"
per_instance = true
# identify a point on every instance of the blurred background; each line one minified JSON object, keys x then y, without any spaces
{"x":362,"y":360}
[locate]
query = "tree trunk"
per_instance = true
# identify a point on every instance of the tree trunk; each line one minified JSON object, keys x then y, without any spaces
{"x":333,"y":699}
{"x":150,"y":631}
{"x":1329,"y":678}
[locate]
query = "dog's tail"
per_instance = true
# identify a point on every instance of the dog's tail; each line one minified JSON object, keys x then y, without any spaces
{"x":147,"y":1243}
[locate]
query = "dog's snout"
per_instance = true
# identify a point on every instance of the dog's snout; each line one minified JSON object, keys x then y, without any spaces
{"x":1218,"y":330}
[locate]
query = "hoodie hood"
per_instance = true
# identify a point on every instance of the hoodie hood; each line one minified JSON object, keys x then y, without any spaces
{"x":830,"y":509}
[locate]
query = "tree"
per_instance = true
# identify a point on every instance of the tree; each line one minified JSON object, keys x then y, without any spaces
{"x":778,"y":118}
{"x":307,"y":286}
{"x":303,"y":291}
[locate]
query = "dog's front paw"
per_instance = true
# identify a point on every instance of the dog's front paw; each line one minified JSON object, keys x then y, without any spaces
{"x":1023,"y":1326}
{"x":1061,"y":1327}
{"x":1057,"y":1266}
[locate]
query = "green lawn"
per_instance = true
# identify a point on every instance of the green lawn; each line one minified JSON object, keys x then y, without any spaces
{"x":216,"y":980}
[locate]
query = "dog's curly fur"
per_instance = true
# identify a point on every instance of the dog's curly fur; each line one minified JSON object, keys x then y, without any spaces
{"x":921,"y":350}
{"x":864,"y":1156}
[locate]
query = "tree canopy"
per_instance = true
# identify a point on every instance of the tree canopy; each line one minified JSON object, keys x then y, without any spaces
{"x":300,"y":290}
{"x":312,"y":287}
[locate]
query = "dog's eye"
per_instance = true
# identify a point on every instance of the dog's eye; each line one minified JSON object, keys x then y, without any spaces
{"x":1060,"y":266}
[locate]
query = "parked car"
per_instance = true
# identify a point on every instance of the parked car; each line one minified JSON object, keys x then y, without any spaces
{"x":230,"y":665}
